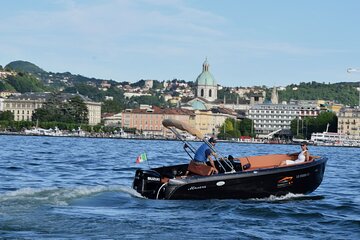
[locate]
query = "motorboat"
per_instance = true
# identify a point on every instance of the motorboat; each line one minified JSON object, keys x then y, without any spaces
{"x":238,"y":177}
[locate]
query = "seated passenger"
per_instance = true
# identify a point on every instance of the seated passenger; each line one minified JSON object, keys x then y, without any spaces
{"x":204,"y":153}
{"x":303,"y":156}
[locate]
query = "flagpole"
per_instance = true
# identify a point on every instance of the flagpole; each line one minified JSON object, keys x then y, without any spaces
{"x":147,"y":159}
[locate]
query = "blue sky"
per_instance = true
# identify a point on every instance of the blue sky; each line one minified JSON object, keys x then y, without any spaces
{"x":247,"y":43}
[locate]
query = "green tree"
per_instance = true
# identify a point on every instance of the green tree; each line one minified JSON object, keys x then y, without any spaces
{"x":151,"y":100}
{"x":6,"y":116}
{"x":112,"y":106}
{"x":303,"y":128}
{"x":246,"y":127}
{"x":229,"y":129}
{"x":78,"y":109}
{"x":57,"y":110}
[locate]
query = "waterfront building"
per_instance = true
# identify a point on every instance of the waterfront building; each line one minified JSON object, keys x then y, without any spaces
{"x":349,"y":122}
{"x":23,"y":106}
{"x":210,"y":121}
{"x":148,"y":119}
{"x":269,"y":118}
{"x":113,"y":120}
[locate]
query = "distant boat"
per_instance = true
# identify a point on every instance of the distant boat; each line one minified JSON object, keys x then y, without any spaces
{"x":120,"y":134}
{"x":333,"y":139}
{"x":78,"y":133}
{"x":43,"y":132}
{"x":299,"y":140}
{"x":37,"y":131}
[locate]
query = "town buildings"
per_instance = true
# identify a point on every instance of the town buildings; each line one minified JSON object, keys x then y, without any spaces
{"x":23,"y":106}
{"x":148,"y":119}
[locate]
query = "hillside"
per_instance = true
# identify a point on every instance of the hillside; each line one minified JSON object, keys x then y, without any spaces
{"x":344,"y":92}
{"x":22,"y":82}
{"x":24,"y":66}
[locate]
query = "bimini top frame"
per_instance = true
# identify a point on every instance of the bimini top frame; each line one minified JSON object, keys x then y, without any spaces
{"x":173,"y":125}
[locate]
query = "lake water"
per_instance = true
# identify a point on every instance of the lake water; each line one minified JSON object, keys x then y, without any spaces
{"x":80,"y":188}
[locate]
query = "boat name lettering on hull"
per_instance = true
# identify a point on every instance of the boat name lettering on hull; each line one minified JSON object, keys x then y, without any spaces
{"x":153,"y":179}
{"x":303,"y":175}
{"x":196,"y":188}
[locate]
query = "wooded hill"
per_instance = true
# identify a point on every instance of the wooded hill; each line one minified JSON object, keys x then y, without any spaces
{"x":344,"y":92}
{"x":31,"y":78}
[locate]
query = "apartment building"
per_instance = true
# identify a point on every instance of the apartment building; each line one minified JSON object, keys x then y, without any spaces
{"x":349,"y":122}
{"x":268,"y":118}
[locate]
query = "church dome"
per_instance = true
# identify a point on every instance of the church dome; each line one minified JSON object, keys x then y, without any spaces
{"x":205,"y":78}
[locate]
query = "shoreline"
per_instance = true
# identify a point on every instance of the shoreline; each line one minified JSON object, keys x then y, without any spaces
{"x":107,"y":136}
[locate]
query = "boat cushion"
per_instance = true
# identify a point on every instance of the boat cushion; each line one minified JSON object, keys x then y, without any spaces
{"x":265,"y":161}
{"x":200,"y":169}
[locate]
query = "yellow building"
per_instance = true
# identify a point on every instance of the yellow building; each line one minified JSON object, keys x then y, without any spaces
{"x":210,"y":121}
{"x":349,"y":122}
{"x":329,"y":106}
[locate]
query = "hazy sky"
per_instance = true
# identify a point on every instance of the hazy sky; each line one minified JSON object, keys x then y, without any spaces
{"x":247,"y":43}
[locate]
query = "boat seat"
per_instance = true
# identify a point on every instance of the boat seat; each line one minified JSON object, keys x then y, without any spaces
{"x":268,"y":161}
{"x":200,"y":169}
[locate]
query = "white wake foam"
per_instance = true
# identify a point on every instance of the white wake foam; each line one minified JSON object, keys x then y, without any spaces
{"x":61,"y":196}
{"x":286,"y":197}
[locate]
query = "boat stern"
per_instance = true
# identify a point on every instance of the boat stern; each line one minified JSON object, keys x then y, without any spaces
{"x":147,"y":182}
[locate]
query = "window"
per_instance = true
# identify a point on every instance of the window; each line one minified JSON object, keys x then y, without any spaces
{"x":209,"y":92}
{"x":202,"y":93}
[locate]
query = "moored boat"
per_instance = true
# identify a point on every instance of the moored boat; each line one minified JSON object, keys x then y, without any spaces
{"x":238,"y":178}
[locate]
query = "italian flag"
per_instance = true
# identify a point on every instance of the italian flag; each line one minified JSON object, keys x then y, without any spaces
{"x":141,"y":158}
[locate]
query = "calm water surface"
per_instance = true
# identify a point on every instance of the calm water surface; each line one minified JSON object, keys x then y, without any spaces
{"x":80,"y":188}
